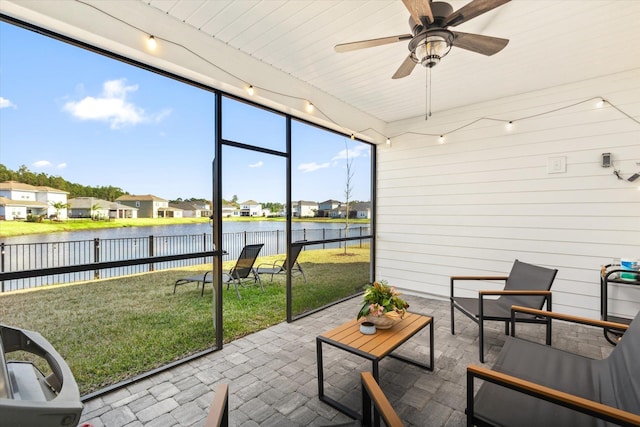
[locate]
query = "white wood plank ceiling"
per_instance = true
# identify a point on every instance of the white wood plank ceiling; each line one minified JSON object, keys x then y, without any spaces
{"x":551,"y":43}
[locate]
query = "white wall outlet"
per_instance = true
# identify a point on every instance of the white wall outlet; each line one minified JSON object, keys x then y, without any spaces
{"x":557,"y":164}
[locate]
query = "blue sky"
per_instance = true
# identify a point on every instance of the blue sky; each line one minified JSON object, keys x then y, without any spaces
{"x":95,"y":121}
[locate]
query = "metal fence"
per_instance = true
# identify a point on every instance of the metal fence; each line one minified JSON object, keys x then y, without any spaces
{"x":17,"y":257}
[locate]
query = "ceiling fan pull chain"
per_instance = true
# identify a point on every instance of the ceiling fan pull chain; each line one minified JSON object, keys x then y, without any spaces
{"x":426,"y":98}
{"x":429,"y":91}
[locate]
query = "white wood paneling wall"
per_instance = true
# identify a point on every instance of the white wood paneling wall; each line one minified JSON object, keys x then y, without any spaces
{"x":486,"y":197}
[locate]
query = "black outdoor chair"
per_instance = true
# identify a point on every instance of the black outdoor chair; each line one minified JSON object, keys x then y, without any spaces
{"x":242,"y":273}
{"x":532,"y":384}
{"x":280,"y":267}
{"x":526,"y":285}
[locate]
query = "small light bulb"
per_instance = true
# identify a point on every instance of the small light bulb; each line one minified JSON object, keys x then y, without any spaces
{"x":151,"y":43}
{"x":600,"y":103}
{"x":441,"y":139}
{"x":310,"y":107}
{"x":353,"y":137}
{"x":251,"y":90}
{"x":509,"y":125}
{"x":388,"y":141}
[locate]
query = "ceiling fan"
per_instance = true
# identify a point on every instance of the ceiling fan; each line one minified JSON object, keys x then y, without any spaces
{"x":430,"y":39}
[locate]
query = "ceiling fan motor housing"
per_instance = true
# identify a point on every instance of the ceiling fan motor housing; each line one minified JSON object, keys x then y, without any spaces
{"x":431,"y":40}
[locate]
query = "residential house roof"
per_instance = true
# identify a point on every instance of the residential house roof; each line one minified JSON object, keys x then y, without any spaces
{"x":136,"y":197}
{"x":8,"y":202}
{"x":88,"y":202}
{"x":15,"y":185}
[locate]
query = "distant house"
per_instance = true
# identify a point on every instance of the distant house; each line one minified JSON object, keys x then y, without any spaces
{"x":362,"y":210}
{"x":18,"y":200}
{"x":193,"y":209}
{"x":230,"y":210}
{"x":250,"y":208}
{"x":357,"y":210}
{"x":170,"y":212}
{"x":302,"y":208}
{"x":148,"y":205}
{"x":324,"y":208}
{"x":82,"y":207}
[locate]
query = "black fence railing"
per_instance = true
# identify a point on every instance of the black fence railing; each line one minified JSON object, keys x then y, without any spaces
{"x":29,"y":265}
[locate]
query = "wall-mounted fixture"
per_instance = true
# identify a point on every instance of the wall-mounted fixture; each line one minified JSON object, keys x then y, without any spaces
{"x":606,"y":160}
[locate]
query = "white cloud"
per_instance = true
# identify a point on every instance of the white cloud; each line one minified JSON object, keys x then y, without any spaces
{"x":6,"y":103}
{"x":42,"y":164}
{"x":312,"y":167}
{"x":358,"y":151}
{"x":257,"y":165}
{"x":112,"y":106}
{"x":61,"y":165}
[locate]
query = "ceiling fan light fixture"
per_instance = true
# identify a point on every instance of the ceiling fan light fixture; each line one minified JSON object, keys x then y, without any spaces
{"x":432,"y":47}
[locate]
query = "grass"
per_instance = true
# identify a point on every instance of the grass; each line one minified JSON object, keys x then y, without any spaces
{"x":20,"y":228}
{"x":113,"y":329}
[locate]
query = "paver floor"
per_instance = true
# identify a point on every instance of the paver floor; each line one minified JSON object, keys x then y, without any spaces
{"x":272,"y":375}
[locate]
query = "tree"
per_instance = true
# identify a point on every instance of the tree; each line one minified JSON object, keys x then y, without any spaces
{"x":95,"y":207}
{"x":58,"y":206}
{"x":347,"y":191}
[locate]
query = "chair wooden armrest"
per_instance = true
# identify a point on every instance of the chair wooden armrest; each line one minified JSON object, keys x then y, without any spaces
{"x":479,"y":277}
{"x":454,"y":278}
{"x":580,"y":404}
{"x":371,"y":392}
{"x":567,"y":317}
{"x":219,"y":411}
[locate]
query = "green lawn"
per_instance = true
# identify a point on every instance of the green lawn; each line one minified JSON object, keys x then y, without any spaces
{"x":112,"y":329}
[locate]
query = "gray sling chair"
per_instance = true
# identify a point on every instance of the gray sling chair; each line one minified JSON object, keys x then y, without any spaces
{"x":280,"y":267}
{"x":241,"y":274}
{"x":532,"y":384}
{"x":526,"y":285}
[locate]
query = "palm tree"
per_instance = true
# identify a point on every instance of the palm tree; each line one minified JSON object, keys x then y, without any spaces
{"x":58,"y":206}
{"x":95,"y":207}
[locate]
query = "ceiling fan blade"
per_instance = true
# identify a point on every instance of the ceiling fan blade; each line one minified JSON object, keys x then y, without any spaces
{"x":471,"y":10}
{"x":346,"y":47}
{"x":419,"y":9}
{"x":485,"y":45}
{"x":405,"y":68}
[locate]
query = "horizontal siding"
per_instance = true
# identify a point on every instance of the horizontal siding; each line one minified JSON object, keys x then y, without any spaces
{"x":485,"y":197}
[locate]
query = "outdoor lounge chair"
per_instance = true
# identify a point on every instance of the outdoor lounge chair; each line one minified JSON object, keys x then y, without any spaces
{"x":241,"y":273}
{"x":280,"y":266}
{"x":532,"y":384}
{"x":527,"y":285}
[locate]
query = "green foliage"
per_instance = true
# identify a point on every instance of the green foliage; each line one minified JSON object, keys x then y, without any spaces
{"x":381,"y":299}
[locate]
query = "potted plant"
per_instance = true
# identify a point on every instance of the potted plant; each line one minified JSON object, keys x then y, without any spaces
{"x":382,"y":305}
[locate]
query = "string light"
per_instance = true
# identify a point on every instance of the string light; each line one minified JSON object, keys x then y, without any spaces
{"x":441,"y":139}
{"x":509,"y":125}
{"x":151,"y":43}
{"x":251,"y":90}
{"x":388,"y":141}
{"x":353,"y":137}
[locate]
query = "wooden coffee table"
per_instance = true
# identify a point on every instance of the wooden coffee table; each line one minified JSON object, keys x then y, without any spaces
{"x":372,"y":347}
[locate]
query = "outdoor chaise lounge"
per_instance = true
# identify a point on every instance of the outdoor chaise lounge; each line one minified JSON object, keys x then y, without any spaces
{"x":526,"y":285}
{"x":242,"y":273}
{"x":280,"y":266}
{"x":532,"y":384}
